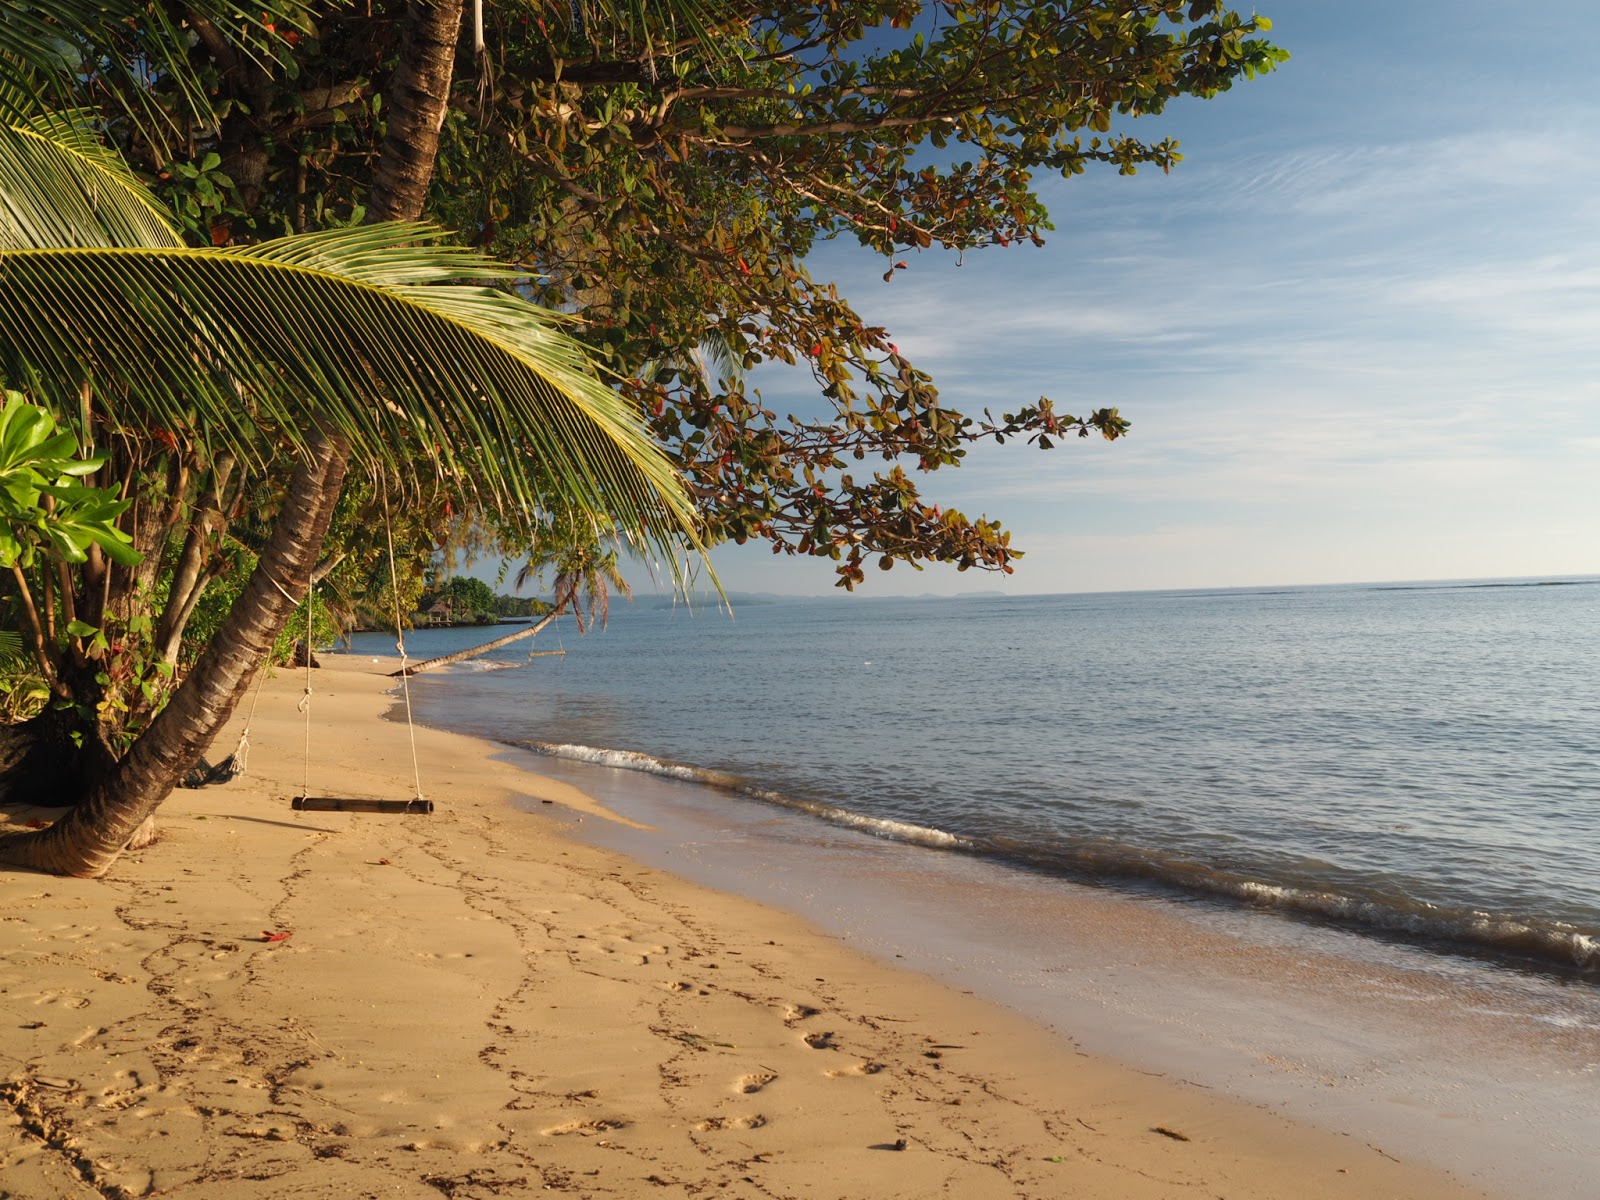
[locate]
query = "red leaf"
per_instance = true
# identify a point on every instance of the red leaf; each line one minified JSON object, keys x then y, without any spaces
{"x":268,"y":936}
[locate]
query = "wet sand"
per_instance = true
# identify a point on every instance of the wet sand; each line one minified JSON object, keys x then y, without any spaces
{"x":1474,"y":1066}
{"x":470,"y":1004}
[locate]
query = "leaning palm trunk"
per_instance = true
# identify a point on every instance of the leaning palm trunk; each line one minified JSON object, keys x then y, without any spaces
{"x":566,"y":595}
{"x":115,"y":810}
{"x":327,"y":393}
{"x":444,"y":660}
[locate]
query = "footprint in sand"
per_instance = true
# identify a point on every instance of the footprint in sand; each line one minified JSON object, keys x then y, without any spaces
{"x":584,"y":1128}
{"x":750,"y":1121}
{"x":797,"y":1013}
{"x":820,"y":1041}
{"x":64,"y":999}
{"x":753,"y":1082}
{"x":860,"y":1068}
{"x":126,"y":1089}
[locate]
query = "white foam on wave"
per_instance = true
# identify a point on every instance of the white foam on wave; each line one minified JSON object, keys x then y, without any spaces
{"x":1551,"y":941}
{"x":634,"y":760}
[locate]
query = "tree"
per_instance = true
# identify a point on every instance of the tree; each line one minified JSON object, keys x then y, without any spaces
{"x":667,"y":168}
{"x":673,"y":195}
{"x":669,"y":175}
{"x":470,"y":599}
{"x":585,"y":570}
{"x":379,"y":343}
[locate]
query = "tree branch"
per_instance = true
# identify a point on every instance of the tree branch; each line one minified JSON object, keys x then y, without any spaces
{"x":31,"y":611}
{"x":187,"y":578}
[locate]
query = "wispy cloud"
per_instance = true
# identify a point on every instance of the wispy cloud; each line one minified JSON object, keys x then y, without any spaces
{"x":1355,"y":330}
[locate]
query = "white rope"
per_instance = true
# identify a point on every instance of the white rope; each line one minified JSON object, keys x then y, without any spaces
{"x":283,"y":590}
{"x":241,"y":752}
{"x":305,"y":698}
{"x":400,"y":645}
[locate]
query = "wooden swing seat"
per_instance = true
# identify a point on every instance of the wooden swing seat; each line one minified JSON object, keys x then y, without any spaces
{"x":347,"y":804}
{"x":309,"y":803}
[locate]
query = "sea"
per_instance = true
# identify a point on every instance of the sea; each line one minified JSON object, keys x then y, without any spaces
{"x":1331,"y":849}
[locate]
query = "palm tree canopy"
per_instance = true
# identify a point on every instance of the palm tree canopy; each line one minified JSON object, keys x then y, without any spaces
{"x":60,"y":185}
{"x":59,"y":49}
{"x":411,"y":349}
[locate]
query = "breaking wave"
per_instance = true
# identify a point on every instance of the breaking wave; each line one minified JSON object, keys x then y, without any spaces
{"x":473,"y":666}
{"x":1552,"y":943}
{"x":632,"y":760}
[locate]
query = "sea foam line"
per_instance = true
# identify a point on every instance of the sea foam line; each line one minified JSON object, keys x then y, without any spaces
{"x":1551,"y":942}
{"x":633,"y":760}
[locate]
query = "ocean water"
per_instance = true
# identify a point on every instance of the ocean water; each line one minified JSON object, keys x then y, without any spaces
{"x":1329,"y":850}
{"x":1409,"y":762}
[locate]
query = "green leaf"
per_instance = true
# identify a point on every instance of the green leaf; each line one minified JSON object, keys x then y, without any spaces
{"x":401,"y":345}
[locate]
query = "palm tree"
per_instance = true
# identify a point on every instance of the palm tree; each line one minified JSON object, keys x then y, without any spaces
{"x":379,"y":344}
{"x":587,"y":570}
{"x":583,"y":568}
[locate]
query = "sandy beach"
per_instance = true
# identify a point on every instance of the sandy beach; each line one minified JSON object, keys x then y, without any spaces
{"x":469,"y":1005}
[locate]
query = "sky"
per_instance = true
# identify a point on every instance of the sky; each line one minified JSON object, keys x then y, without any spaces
{"x":1356,"y":330}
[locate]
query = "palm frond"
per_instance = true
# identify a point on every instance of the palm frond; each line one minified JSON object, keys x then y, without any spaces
{"x":399,"y":347}
{"x":60,"y":50}
{"x":646,"y":22}
{"x":61,"y":186}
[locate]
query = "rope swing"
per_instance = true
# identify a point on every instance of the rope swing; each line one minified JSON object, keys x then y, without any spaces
{"x":306,"y":802}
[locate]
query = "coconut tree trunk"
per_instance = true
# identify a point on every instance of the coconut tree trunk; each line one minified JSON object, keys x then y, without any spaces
{"x":444,"y":660}
{"x":95,"y":831}
{"x":416,"y":102}
{"x":116,"y":809}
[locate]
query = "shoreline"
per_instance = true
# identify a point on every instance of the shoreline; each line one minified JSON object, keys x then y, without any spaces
{"x":471,"y":1004}
{"x":1482,"y":1072}
{"x":1545,"y":946}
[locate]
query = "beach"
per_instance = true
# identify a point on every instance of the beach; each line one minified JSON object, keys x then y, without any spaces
{"x":471,"y":1004}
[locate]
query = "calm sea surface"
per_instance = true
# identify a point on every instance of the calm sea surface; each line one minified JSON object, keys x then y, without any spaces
{"x":1415,"y":761}
{"x":1339,"y":843}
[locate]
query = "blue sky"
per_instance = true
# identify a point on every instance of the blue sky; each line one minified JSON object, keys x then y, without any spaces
{"x":1357,"y":330}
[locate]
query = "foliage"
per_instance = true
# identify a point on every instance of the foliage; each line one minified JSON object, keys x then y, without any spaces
{"x":673,"y":200}
{"x":668,"y":185}
{"x":43,"y":507}
{"x":311,"y":329}
{"x":469,"y":600}
{"x":519,"y":606}
{"x":206,"y":375}
{"x":583,"y":565}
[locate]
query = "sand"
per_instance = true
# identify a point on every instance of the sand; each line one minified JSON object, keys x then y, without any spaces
{"x":470,"y":1005}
